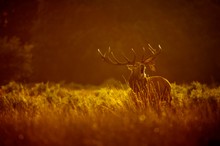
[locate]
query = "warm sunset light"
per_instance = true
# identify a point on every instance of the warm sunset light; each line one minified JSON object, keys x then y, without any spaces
{"x":109,"y":73}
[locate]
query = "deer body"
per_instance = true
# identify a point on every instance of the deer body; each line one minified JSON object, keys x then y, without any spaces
{"x":149,"y":88}
{"x":152,"y":89}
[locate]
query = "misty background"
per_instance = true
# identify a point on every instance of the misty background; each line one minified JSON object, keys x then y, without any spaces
{"x":59,"y":39}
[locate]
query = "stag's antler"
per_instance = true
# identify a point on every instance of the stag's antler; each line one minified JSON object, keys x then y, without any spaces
{"x":153,"y":56}
{"x":110,"y":58}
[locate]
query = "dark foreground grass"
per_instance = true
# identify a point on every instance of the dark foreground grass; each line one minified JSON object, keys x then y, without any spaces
{"x":69,"y":115}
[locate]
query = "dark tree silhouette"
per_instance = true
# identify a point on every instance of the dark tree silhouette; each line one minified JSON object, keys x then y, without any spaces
{"x":15,"y":60}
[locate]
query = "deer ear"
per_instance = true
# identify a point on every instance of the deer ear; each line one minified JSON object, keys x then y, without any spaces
{"x":152,"y":67}
{"x":130,"y":67}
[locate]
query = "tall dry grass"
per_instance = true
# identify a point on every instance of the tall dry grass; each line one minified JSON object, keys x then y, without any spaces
{"x":66,"y":115}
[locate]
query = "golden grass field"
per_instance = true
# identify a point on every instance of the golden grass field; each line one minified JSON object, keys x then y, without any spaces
{"x":52,"y":114}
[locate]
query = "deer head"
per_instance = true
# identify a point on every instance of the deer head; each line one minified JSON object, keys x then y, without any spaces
{"x":137,"y":67}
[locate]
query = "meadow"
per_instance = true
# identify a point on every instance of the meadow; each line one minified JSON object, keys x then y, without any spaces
{"x":58,"y":114}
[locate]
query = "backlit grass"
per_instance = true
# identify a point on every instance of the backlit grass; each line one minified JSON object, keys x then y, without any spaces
{"x":69,"y":114}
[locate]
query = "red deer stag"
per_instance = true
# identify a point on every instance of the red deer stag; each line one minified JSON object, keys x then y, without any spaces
{"x":152,"y":89}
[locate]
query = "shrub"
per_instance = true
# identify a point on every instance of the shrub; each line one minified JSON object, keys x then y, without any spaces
{"x":15,"y":60}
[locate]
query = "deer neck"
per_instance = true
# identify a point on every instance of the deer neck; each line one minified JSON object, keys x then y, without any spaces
{"x":137,"y":76}
{"x":137,"y":81}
